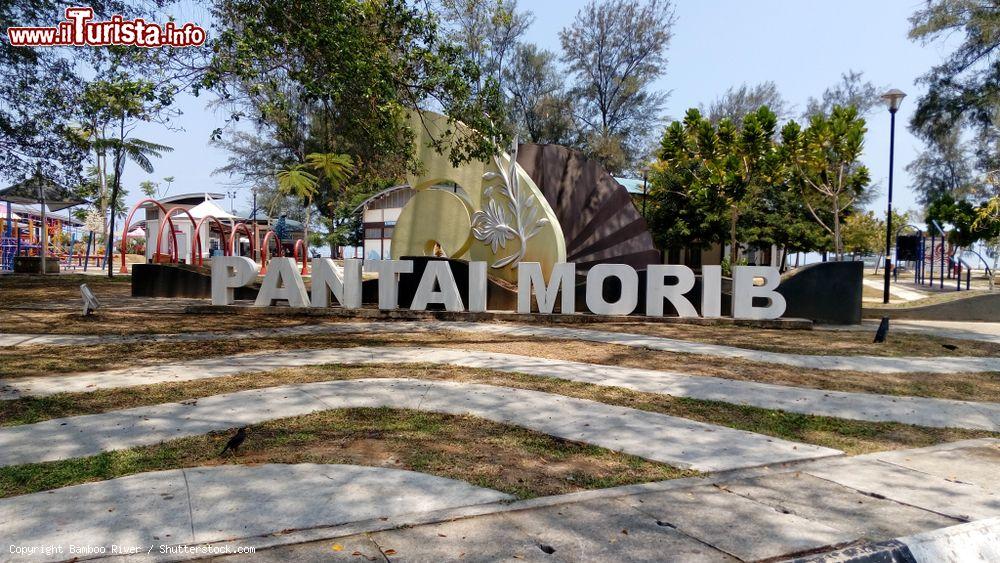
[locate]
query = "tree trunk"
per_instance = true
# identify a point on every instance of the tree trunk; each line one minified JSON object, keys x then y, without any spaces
{"x":837,"y":244}
{"x":733,"y":248}
{"x":116,"y":186}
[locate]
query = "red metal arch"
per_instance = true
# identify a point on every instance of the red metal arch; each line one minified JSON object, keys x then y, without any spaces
{"x":305,"y":256}
{"x":233,"y":240}
{"x":124,"y":268}
{"x":222,"y":232}
{"x":194,"y":242}
{"x":264,"y":255}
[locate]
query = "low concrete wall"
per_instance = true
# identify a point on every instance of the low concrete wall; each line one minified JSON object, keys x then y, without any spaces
{"x":983,"y":307}
{"x":177,"y":280}
{"x":828,"y":292}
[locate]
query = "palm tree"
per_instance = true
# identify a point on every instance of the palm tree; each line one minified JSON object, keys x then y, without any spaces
{"x":298,"y":181}
{"x":136,"y":150}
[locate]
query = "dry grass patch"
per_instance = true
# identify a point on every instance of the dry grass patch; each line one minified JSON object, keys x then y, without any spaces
{"x":19,"y":289}
{"x":498,"y":456}
{"x":50,"y":360}
{"x":116,"y":322}
{"x":853,"y":437}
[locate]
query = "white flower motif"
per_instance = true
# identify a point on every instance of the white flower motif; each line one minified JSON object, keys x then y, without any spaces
{"x":489,"y":226}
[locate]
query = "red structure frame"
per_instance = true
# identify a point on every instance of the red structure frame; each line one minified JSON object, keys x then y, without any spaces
{"x":124,"y":268}
{"x":264,"y":255}
{"x":222,"y":232}
{"x":305,"y":256}
{"x":233,"y":239}
{"x":194,"y":239}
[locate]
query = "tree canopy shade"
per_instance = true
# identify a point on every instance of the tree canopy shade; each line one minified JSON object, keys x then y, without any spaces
{"x":615,"y":50}
{"x":342,"y":74}
{"x":965,"y":88}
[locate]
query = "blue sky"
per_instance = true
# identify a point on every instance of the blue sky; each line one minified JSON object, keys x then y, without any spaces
{"x":802,"y":45}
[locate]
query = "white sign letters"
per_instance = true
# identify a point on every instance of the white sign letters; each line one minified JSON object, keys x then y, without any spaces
{"x":437,"y":285}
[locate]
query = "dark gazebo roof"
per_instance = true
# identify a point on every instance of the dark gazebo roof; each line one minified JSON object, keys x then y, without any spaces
{"x":40,"y":189}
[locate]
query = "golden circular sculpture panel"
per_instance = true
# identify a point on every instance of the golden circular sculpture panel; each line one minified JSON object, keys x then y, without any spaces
{"x":505,"y":221}
{"x":433,"y":217}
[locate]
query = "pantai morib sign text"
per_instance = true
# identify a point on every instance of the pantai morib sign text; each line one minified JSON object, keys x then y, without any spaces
{"x":664,"y":283}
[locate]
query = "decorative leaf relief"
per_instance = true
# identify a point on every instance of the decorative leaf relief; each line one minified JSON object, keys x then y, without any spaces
{"x":491,"y":225}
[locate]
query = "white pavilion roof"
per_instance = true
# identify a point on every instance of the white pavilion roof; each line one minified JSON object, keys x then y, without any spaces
{"x":209,"y":207}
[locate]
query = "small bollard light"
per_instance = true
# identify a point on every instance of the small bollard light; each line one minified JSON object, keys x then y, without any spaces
{"x":90,"y":302}
{"x":882,"y":332}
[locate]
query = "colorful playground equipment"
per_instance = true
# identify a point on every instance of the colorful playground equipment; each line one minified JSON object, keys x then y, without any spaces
{"x":932,"y":255}
{"x":20,"y":235}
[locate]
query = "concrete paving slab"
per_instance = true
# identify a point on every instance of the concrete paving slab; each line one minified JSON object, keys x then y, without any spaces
{"x":488,"y":538}
{"x":676,"y":441}
{"x":600,"y":519}
{"x":242,"y":501}
{"x":739,"y":526}
{"x":226,"y":502}
{"x":958,"y":500}
{"x":941,"y":413}
{"x":941,"y":364}
{"x":610,"y":531}
{"x":980,"y":463}
{"x":127,"y":512}
{"x":834,"y":505}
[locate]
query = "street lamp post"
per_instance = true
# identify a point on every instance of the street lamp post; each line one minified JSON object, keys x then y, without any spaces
{"x":893,"y":98}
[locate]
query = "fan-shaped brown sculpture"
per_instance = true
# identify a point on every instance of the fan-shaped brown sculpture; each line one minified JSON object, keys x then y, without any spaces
{"x":598,"y":219}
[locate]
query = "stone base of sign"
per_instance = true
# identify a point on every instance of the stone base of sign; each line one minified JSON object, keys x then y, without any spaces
{"x":177,"y":280}
{"x":372,"y":313}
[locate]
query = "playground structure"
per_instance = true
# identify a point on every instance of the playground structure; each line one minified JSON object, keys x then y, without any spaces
{"x":934,"y":259}
{"x":176,"y":225}
{"x":20,"y":235}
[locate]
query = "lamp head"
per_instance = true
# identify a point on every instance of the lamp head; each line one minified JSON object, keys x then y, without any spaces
{"x":893,"y":98}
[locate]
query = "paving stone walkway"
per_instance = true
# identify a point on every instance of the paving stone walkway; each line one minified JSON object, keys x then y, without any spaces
{"x":676,"y":441}
{"x":874,"y":364}
{"x":941,"y":413}
{"x":765,"y":513}
{"x":210,"y":504}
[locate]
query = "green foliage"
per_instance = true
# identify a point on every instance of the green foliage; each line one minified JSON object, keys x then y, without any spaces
{"x":541,"y":110}
{"x":863,"y":233}
{"x":824,"y":160}
{"x":340,"y":76}
{"x":966,"y":83}
{"x":616,"y":51}
{"x":970,"y":223}
{"x":712,"y":183}
{"x":41,"y":89}
{"x":296,"y":180}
